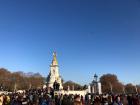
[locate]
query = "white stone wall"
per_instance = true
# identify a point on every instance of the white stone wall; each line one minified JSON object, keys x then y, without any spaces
{"x":80,"y":92}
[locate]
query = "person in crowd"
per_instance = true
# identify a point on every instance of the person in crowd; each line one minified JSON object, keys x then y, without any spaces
{"x":86,"y":99}
{"x":129,"y":99}
{"x":1,"y":99}
{"x":117,"y":101}
{"x":77,"y":100}
{"x":135,"y":100}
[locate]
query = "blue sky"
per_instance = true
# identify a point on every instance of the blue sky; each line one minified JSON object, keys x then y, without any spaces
{"x":89,"y":36}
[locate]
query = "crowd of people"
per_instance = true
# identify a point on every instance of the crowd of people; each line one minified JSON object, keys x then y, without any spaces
{"x":45,"y":97}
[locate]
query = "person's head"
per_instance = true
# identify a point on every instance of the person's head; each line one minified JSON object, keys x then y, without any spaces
{"x":77,"y":98}
{"x":118,"y":99}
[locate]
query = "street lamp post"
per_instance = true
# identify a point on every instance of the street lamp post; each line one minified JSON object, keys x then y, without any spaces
{"x":111,"y":87}
{"x":1,"y":84}
{"x":1,"y":87}
{"x":96,"y":83}
{"x":123,"y":89}
{"x":136,"y":89}
{"x":15,"y":85}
